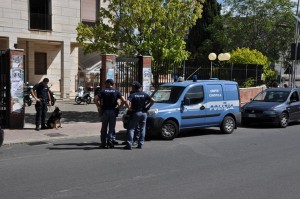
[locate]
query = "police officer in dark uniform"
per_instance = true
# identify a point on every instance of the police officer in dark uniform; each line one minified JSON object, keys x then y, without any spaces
{"x":106,"y":101}
{"x":41,"y":94}
{"x":140,"y":102}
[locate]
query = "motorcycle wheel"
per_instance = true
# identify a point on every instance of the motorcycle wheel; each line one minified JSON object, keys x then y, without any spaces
{"x":77,"y":100}
{"x":88,"y":100}
{"x":29,"y":102}
{"x":53,"y":101}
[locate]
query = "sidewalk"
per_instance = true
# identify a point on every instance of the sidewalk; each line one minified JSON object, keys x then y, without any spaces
{"x":73,"y":130}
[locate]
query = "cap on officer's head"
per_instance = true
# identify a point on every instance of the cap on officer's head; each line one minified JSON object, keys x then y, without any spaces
{"x":110,"y":81}
{"x":136,"y":84}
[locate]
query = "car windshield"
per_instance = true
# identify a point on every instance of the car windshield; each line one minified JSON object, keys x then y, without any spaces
{"x":167,"y":94}
{"x":272,"y":96}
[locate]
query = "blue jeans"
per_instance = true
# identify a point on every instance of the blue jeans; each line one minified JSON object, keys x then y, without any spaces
{"x":138,"y":119}
{"x":108,"y":121}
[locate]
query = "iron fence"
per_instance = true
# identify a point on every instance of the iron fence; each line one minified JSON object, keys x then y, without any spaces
{"x":169,"y":72}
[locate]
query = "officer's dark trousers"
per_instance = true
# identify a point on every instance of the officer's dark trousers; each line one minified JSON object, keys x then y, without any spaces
{"x":108,"y":121}
{"x":41,"y":110}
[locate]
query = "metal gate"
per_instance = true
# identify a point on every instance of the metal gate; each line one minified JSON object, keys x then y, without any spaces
{"x":4,"y":89}
{"x":127,"y":71}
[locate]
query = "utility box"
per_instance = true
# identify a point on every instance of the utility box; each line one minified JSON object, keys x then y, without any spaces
{"x":12,"y":109}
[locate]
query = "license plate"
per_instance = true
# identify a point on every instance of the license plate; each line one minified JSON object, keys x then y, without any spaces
{"x":251,"y":115}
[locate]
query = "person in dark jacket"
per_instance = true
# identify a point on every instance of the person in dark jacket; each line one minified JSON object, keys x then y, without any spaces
{"x":106,"y":101}
{"x":41,"y":94}
{"x":140,"y":103}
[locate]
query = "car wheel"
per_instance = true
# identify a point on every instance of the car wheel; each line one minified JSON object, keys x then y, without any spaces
{"x":77,"y":100}
{"x":228,"y":125}
{"x":169,"y":130}
{"x":283,"y":120}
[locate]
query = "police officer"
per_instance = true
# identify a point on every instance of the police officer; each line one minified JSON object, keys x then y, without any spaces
{"x":41,"y":94}
{"x":140,"y":102}
{"x":106,"y":101}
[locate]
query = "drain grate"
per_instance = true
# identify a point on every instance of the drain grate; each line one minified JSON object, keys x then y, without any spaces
{"x":37,"y":143}
{"x":55,"y":134}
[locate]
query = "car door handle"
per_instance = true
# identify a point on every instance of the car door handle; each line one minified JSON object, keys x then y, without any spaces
{"x":202,"y":107}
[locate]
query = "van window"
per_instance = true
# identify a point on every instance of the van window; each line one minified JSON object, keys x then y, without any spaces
{"x":195,"y":94}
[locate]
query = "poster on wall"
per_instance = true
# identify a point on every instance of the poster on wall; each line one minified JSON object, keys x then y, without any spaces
{"x":147,"y":76}
{"x":16,"y":79}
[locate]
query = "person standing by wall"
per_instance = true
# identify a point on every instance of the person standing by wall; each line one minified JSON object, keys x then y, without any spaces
{"x":106,"y":101}
{"x":140,"y":103}
{"x":41,"y":94}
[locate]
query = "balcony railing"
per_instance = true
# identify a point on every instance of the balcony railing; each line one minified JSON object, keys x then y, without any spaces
{"x":40,"y":21}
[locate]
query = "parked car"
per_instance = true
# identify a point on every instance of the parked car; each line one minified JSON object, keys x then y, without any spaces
{"x":192,"y":104}
{"x":277,"y":106}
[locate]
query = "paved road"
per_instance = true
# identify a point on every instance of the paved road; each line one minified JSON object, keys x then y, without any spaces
{"x":258,"y":163}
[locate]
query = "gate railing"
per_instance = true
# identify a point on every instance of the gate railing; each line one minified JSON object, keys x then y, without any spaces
{"x":127,"y":71}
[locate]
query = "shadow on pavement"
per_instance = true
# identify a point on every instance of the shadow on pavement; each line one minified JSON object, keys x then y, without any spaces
{"x":75,"y":146}
{"x":68,"y":117}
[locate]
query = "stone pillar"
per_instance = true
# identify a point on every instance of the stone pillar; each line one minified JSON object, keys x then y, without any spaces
{"x":146,"y":62}
{"x":108,"y":69}
{"x":65,"y":70}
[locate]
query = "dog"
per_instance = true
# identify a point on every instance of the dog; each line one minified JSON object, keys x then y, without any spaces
{"x":54,"y":120}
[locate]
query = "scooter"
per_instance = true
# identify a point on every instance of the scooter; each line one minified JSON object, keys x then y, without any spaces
{"x":83,"y":96}
{"x":27,"y":99}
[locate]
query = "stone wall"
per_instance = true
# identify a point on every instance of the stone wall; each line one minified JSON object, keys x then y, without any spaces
{"x":247,"y":93}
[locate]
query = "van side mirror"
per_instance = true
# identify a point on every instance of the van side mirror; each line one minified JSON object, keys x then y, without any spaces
{"x":186,"y":101}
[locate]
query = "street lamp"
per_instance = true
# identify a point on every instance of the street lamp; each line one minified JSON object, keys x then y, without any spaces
{"x":221,"y":57}
{"x":211,"y":57}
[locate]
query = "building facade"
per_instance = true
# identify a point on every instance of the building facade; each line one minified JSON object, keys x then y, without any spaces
{"x":46,"y":31}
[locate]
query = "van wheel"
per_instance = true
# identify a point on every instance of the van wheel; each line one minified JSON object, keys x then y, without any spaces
{"x":169,"y":130}
{"x":283,"y":120}
{"x":228,"y":125}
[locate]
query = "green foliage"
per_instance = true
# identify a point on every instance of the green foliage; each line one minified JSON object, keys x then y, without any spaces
{"x":247,"y":56}
{"x":146,"y":27}
{"x":249,"y":83}
{"x":267,"y":26}
{"x":199,"y":41}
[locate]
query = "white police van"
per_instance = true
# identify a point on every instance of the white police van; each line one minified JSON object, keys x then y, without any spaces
{"x":194,"y":104}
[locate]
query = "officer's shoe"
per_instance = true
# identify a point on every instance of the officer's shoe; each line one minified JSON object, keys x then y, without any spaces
{"x":127,"y":147}
{"x":115,"y":142}
{"x":44,"y":127}
{"x":135,"y":143}
{"x":37,"y":128}
{"x":139,"y":146}
{"x":102,"y":146}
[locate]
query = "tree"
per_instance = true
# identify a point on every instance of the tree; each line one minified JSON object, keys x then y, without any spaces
{"x":147,"y":27}
{"x":247,"y":56}
{"x":267,"y":26}
{"x":199,"y":42}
